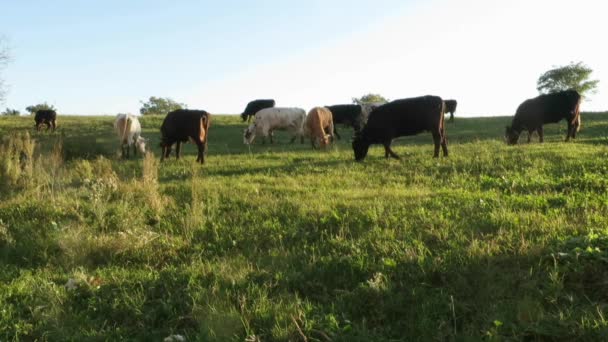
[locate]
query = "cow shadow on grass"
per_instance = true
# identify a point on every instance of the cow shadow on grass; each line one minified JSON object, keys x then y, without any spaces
{"x":292,"y":167}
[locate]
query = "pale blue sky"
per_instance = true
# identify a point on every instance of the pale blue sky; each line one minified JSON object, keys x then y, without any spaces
{"x":103,"y":57}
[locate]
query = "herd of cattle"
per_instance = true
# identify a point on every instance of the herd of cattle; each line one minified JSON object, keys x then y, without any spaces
{"x":373,"y":123}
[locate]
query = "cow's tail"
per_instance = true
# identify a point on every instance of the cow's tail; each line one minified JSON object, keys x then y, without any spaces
{"x":576,"y":121}
{"x":205,"y":122}
{"x":442,"y":120}
{"x":321,"y":129}
{"x":125,"y":129}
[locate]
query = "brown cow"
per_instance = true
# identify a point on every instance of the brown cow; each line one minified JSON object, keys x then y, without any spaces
{"x":46,"y":117}
{"x":532,"y":114}
{"x":182,"y":125}
{"x":319,"y":126}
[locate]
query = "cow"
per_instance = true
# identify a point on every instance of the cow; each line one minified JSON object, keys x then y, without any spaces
{"x":532,"y":114}
{"x":367,"y":108}
{"x":255,"y":106}
{"x":401,"y":118}
{"x":319,"y":126}
{"x":270,"y":119}
{"x":47,"y":117}
{"x":128,"y":129}
{"x":450,"y":107}
{"x":346,"y":114}
{"x":182,"y":125}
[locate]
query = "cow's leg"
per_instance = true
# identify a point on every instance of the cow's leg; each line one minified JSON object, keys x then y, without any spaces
{"x":53,"y":126}
{"x":294,"y":137}
{"x":530,"y":136}
{"x":48,"y":125}
{"x":178,"y":149}
{"x":571,"y":131}
{"x":451,"y":116}
{"x":271,"y":133}
{"x":437,"y":140}
{"x":541,"y":137}
{"x":166,"y":151}
{"x":201,"y":152}
{"x":444,"y":143}
{"x":336,"y":132}
{"x":387,"y":150}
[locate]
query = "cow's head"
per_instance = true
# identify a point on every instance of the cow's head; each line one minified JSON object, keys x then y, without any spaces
{"x":360,"y":147}
{"x":511,"y":135}
{"x":325,"y":141}
{"x":140,"y":143}
{"x":249,"y":134}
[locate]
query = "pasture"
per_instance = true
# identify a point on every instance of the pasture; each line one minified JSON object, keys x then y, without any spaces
{"x":283,"y":243}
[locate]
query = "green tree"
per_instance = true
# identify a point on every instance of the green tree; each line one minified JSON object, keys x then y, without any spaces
{"x":572,"y":76}
{"x":369,"y":98}
{"x":160,"y":105}
{"x":10,"y":112}
{"x":4,"y":59}
{"x":33,"y":109}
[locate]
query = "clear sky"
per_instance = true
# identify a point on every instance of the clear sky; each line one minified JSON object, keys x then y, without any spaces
{"x":104,"y":57}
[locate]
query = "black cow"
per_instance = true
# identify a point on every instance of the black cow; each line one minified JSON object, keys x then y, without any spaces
{"x":255,"y":106}
{"x":450,"y":107}
{"x":348,"y":114}
{"x":182,"y":125}
{"x":532,"y":114}
{"x":46,"y":117}
{"x":400,"y":118}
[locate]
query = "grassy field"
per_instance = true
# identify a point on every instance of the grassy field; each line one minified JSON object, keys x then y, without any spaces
{"x":282,"y":243}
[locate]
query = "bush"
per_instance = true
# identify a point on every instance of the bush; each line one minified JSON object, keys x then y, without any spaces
{"x":160,"y":105}
{"x":10,"y":112}
{"x":41,"y":106}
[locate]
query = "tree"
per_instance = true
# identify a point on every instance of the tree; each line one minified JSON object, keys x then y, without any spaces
{"x":10,"y":112}
{"x":41,"y":106}
{"x":159,"y":105}
{"x":4,"y":59}
{"x":369,"y":98}
{"x":572,"y":76}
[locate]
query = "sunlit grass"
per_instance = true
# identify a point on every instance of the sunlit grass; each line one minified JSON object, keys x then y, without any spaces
{"x":280,"y":242}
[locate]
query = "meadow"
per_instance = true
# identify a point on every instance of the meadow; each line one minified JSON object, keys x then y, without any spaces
{"x":283,"y":243}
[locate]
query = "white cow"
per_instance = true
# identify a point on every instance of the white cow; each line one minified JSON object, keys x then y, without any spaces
{"x":128,"y":129}
{"x":367,"y":108}
{"x":270,"y":119}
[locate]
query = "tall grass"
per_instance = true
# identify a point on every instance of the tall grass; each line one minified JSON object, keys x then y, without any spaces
{"x":16,"y":161}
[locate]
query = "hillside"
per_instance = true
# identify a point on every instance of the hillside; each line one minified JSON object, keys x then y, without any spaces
{"x":279,"y":242}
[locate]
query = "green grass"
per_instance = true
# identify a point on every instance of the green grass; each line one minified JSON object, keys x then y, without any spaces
{"x":282,"y":243}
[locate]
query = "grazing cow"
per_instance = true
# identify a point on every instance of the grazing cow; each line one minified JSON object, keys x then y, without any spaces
{"x":270,"y":119}
{"x":549,"y":108}
{"x":319,"y":126}
{"x":182,"y":125}
{"x":128,"y":129}
{"x":450,"y":107}
{"x":347,"y":114}
{"x":256,"y":106}
{"x":47,"y":117}
{"x":367,"y":108}
{"x":401,"y":118}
